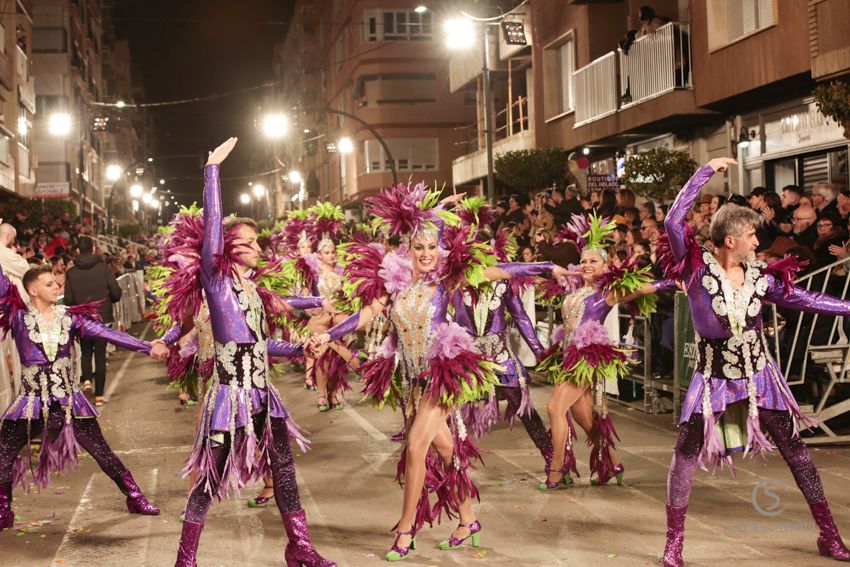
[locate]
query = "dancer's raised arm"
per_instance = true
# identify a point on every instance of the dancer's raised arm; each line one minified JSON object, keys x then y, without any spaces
{"x":213,"y":231}
{"x":674,"y":222}
{"x":510,"y":270}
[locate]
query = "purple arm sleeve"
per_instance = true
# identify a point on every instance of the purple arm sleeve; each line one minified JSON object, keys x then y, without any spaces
{"x":674,"y":222}
{"x":213,"y":245}
{"x":664,"y":285}
{"x":523,"y":323}
{"x":349,"y":325}
{"x":5,"y":282}
{"x":802,"y":300}
{"x":284,"y":349}
{"x":304,"y":302}
{"x":171,"y":335}
{"x":527,"y":269}
{"x":93,"y":330}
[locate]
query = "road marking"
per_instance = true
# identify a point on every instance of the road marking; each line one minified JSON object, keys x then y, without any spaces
{"x":367,"y":426}
{"x":83,"y":506}
{"x":113,"y":384}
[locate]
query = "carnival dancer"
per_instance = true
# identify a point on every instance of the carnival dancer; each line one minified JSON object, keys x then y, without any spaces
{"x":737,"y":382}
{"x":484,"y":313}
{"x":50,"y":402}
{"x":438,"y":368}
{"x":245,"y":429}
{"x":583,"y":360}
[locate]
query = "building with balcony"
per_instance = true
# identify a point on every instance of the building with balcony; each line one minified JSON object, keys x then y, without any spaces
{"x":18,"y":100}
{"x":375,"y":63}
{"x":77,"y":65}
{"x":712,"y":78}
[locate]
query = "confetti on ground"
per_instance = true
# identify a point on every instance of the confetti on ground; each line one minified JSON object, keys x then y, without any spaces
{"x":479,"y":555}
{"x":612,"y":555}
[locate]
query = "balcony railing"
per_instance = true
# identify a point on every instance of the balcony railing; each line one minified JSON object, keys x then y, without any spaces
{"x":512,"y":119}
{"x":655,"y":64}
{"x":596,"y":89}
{"x":24,"y":168}
{"x":652,"y":66}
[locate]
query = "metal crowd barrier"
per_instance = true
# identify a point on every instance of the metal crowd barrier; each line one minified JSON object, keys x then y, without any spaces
{"x":131,"y":308}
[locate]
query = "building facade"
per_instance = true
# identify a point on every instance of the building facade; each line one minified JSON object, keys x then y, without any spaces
{"x":365,"y":71}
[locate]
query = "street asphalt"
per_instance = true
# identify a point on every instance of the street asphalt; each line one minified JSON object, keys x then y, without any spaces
{"x":348,"y":489}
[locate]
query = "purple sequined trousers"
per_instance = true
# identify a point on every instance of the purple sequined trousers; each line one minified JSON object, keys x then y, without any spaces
{"x":282,"y":466}
{"x":780,"y":426}
{"x":13,"y":438}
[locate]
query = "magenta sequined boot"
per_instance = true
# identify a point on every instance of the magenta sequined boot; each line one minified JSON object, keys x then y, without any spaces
{"x":136,"y":501}
{"x":300,"y":551}
{"x":829,"y":542}
{"x":7,"y":516}
{"x":189,"y":545}
{"x":675,"y":537}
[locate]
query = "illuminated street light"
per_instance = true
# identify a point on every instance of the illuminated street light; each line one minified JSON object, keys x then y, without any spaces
{"x":113,"y":172}
{"x":345,"y":145}
{"x":136,"y":191}
{"x":59,"y":124}
{"x":120,"y":104}
{"x":155,"y":203}
{"x":245,"y":198}
{"x":586,"y":151}
{"x":275,"y":125}
{"x":460,"y":33}
{"x":420,"y":9}
{"x":258,"y":190}
{"x":295,"y":176}
{"x":147,"y":198}
{"x":162,"y":181}
{"x":150,"y":160}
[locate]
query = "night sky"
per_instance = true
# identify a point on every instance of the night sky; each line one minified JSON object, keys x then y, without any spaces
{"x":184,"y":49}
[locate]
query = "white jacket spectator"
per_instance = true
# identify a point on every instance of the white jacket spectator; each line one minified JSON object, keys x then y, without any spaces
{"x":14,"y":265}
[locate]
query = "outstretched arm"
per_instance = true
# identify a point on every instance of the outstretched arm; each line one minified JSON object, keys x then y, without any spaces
{"x":283,"y":348}
{"x":90,"y":329}
{"x":510,"y":270}
{"x":213,"y":245}
{"x":801,"y":299}
{"x":674,"y":222}
{"x":351,"y":324}
{"x":304,"y":303}
{"x":647,"y":289}
{"x":523,"y":323}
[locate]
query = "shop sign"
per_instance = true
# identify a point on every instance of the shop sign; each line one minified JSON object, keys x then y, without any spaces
{"x":57,"y":190}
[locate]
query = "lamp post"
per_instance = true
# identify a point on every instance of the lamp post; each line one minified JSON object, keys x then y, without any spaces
{"x":344,"y":146}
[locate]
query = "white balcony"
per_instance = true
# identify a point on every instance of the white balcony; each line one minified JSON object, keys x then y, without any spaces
{"x":656,"y":64}
{"x":21,"y":64}
{"x":596,"y":89}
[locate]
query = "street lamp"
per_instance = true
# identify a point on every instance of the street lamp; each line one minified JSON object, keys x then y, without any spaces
{"x":245,"y":198}
{"x":136,"y":191}
{"x":59,"y":124}
{"x":275,"y":125}
{"x":147,"y":198}
{"x":345,"y":145}
{"x":295,"y":177}
{"x":460,"y":34}
{"x":154,"y":203}
{"x":258,"y":190}
{"x":113,"y":172}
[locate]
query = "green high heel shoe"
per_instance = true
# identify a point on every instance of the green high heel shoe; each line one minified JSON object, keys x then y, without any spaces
{"x":398,"y":553}
{"x":323,"y":404}
{"x":565,"y":481}
{"x":454,"y":542}
{"x":617,"y":474}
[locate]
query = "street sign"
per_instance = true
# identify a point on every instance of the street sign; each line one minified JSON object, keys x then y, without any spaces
{"x":57,"y":190}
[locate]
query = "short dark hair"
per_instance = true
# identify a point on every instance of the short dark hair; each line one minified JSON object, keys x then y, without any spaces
{"x":85,"y":245}
{"x":231,"y":222}
{"x":33,"y":274}
{"x":758,"y":191}
{"x":794,"y":189}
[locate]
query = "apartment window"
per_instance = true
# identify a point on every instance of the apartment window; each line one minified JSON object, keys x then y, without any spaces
{"x":5,"y":157}
{"x":47,"y":104}
{"x":558,"y":65}
{"x":399,"y":88}
{"x":731,"y":20}
{"x":410,"y":154}
{"x":379,"y":25}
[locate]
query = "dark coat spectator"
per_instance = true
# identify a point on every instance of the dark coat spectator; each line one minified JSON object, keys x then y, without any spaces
{"x":91,"y":280}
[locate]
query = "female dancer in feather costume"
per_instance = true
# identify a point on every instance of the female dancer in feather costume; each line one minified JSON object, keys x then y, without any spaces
{"x":583,"y":358}
{"x":736,"y":377}
{"x":245,"y":430}
{"x":439,"y":369}
{"x":50,"y":402}
{"x":484,"y":314}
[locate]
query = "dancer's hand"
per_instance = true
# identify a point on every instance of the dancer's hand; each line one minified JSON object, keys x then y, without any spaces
{"x":560,"y":272}
{"x":328,"y":306}
{"x":219,"y":154}
{"x":158,"y":350}
{"x":719,"y":165}
{"x":453,"y":199}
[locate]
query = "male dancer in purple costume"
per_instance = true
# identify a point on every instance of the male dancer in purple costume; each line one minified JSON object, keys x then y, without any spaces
{"x":725,"y":293}
{"x":50,"y":402}
{"x":241,"y":351}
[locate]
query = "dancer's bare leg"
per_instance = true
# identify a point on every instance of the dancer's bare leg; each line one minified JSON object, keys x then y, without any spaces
{"x":562,"y":398}
{"x":429,"y":420}
{"x":444,"y":444}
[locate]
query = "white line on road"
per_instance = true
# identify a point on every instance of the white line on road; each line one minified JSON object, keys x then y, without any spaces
{"x":113,"y":384}
{"x":83,"y":506}
{"x":373,"y":431}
